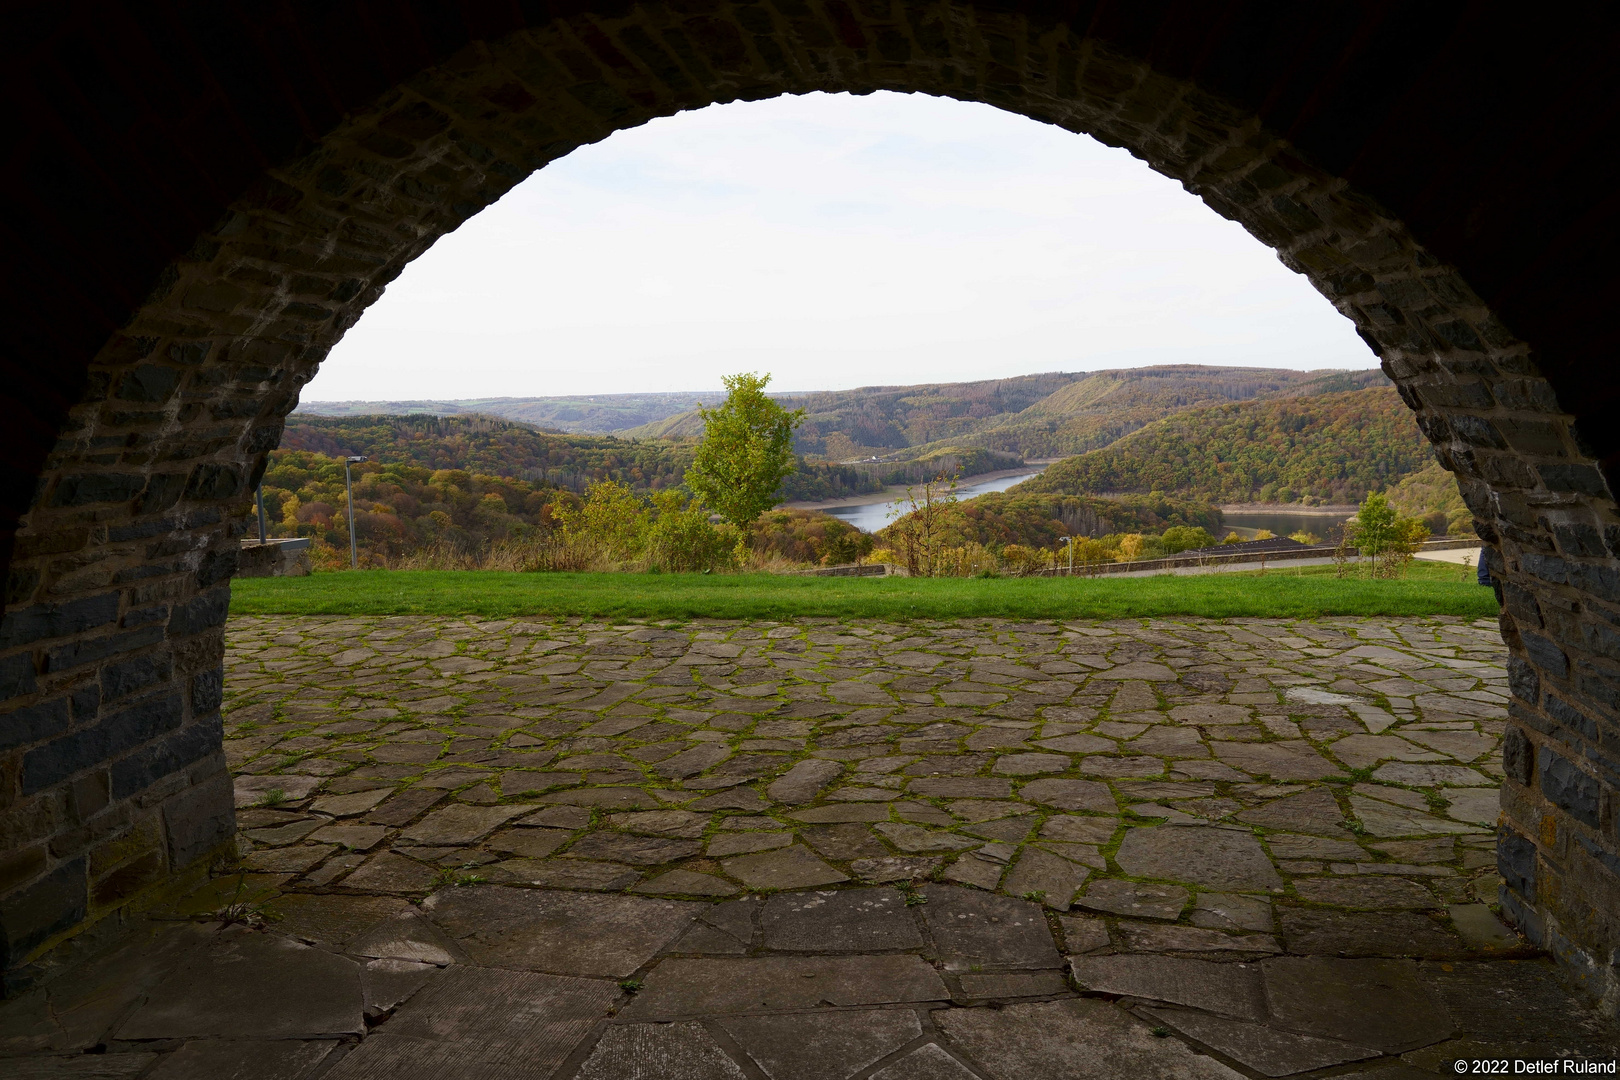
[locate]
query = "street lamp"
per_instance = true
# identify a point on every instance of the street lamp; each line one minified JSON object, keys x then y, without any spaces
{"x":348,"y":491}
{"x":1070,"y":541}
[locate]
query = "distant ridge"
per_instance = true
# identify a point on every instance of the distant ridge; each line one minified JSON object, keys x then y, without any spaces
{"x":597,"y":414}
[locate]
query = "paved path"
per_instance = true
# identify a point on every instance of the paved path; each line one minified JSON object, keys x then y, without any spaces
{"x":836,"y":851}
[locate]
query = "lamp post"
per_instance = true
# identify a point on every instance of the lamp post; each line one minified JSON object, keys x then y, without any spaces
{"x":259,"y":498}
{"x":1070,"y":541}
{"x":348,"y":491}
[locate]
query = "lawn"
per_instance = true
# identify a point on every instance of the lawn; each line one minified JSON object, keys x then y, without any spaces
{"x":1431,"y":589}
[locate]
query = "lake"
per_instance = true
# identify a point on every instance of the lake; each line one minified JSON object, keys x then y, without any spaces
{"x":1282,"y":523}
{"x":871,"y":517}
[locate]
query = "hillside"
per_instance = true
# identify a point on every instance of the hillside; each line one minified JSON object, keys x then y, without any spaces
{"x":599,"y":414}
{"x":1109,"y":405}
{"x":490,"y":446}
{"x":1331,"y":448}
{"x":1431,"y":493}
{"x":1046,"y":415}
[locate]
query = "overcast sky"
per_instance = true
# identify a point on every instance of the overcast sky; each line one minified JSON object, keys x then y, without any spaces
{"x":833,"y":241}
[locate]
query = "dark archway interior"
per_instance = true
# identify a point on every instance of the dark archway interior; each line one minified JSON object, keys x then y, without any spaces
{"x":203,"y":197}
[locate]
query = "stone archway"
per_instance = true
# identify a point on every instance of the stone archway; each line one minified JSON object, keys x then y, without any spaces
{"x":139,"y":440}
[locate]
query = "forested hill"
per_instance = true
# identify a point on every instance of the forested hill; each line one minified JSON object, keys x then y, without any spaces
{"x":489,"y":446}
{"x":492,"y":447}
{"x":1334,"y":447}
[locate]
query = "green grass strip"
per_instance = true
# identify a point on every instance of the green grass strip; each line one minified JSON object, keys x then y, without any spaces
{"x":769,"y":596}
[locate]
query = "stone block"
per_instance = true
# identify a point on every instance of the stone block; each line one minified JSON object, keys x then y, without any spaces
{"x":29,"y":916}
{"x":1380,"y":1004}
{"x":1566,"y":787}
{"x":1232,"y":990}
{"x":199,"y":820}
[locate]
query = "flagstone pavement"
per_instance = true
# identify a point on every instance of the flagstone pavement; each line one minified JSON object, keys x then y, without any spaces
{"x":836,"y":850}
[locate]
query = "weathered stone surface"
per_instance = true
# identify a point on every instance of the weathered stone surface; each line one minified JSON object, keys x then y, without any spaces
{"x":927,"y":1062}
{"x":1229,"y":989}
{"x":389,"y":983}
{"x":681,"y":987}
{"x":896,"y":868}
{"x":1197,"y":941}
{"x":852,"y":920}
{"x":1216,"y":858}
{"x":407,"y":935}
{"x":1071,"y":795}
{"x":607,"y":846}
{"x":1136,"y":900}
{"x":565,"y":933}
{"x":1055,"y":879}
{"x":1365,"y":933}
{"x":1030,"y":764}
{"x":1072,"y":1040}
{"x":830,"y":1046}
{"x":390,"y":873}
{"x":445,"y":1029}
{"x":658,"y":1052}
{"x":913,"y":838}
{"x":1314,"y":811}
{"x":791,"y":868}
{"x":1266,"y":1050}
{"x":1381,"y":893}
{"x":974,"y":931}
{"x":461,"y":824}
{"x":228,"y":1060}
{"x":1278,"y":760}
{"x":686,"y":883}
{"x":1376,"y":1003}
{"x":272,"y":986}
{"x":563,"y":874}
{"x":330,"y":922}
{"x":801,"y":783}
{"x":843,"y":842}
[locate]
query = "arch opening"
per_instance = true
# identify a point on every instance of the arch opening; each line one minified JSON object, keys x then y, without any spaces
{"x":118,"y":574}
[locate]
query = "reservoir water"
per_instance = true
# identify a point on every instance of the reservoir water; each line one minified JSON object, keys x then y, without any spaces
{"x":870,"y":517}
{"x":1281,"y":523}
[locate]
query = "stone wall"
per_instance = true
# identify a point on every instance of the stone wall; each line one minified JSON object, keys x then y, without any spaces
{"x":118,"y":582}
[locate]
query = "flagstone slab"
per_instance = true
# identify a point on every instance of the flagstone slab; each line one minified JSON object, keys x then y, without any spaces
{"x":680,"y":987}
{"x":658,"y":1052}
{"x":269,"y":985}
{"x":1278,"y":760}
{"x":975,"y":931}
{"x":1214,"y":857}
{"x":927,"y":1062}
{"x":1380,"y":1004}
{"x":446,"y":1029}
{"x":560,"y":932}
{"x":1072,"y":1040}
{"x":229,"y":1059}
{"x":1234,"y":990}
{"x":789,"y":868}
{"x":1266,"y":1050}
{"x":850,"y":920}
{"x":830,"y":1046}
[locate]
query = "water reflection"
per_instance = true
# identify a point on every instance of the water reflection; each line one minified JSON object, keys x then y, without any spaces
{"x":1284,"y":524}
{"x":873,"y":516}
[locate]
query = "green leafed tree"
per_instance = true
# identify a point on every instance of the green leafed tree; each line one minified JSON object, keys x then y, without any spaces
{"x":747,"y":451}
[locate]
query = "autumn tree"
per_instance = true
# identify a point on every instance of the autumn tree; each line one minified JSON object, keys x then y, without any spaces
{"x":746,"y":453}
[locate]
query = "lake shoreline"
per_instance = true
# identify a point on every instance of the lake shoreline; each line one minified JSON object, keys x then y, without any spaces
{"x":1291,"y":509}
{"x":898,"y":491}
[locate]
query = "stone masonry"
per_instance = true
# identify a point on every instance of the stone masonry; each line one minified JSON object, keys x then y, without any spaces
{"x":136,"y":464}
{"x":838,"y":851}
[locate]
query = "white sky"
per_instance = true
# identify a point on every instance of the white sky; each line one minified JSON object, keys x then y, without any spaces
{"x":836,"y":242}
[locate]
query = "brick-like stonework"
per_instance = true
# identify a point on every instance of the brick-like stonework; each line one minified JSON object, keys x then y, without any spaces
{"x":117,"y":586}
